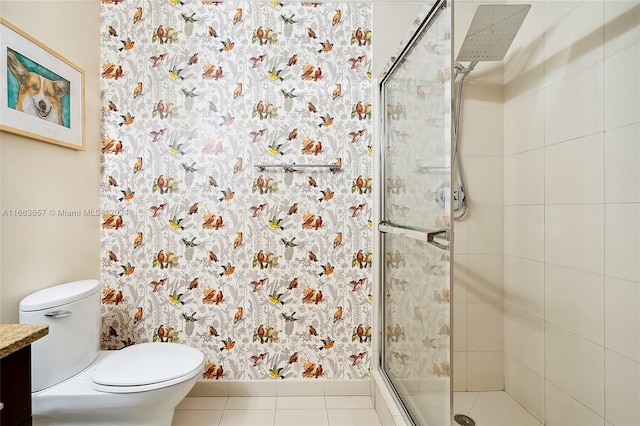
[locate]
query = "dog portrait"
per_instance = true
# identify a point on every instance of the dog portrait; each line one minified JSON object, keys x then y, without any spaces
{"x":36,"y":90}
{"x":41,"y":92}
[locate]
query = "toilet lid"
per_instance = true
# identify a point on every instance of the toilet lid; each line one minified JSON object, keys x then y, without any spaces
{"x":148,"y":363}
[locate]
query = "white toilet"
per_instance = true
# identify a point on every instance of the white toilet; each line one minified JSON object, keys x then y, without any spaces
{"x":74,"y":383}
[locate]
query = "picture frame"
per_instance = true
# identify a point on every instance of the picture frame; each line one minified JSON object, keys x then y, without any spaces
{"x":41,"y":92}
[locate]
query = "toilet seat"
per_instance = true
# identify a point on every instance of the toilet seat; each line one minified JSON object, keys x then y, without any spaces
{"x":146,"y":366}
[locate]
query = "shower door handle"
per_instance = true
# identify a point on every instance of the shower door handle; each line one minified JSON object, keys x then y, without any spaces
{"x":426,"y":235}
{"x":433,"y":234}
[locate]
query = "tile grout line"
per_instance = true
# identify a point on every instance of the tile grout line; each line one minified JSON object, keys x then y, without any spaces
{"x":473,"y":404}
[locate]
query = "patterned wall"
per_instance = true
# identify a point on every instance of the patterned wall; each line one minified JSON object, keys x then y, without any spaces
{"x":268,"y":272}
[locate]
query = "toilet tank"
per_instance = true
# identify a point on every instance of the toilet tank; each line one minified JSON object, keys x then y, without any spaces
{"x":72,"y":312}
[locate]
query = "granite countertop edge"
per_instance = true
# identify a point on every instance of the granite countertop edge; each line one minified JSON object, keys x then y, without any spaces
{"x":14,"y":337}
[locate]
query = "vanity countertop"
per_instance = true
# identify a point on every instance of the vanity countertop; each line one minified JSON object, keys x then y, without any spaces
{"x":14,"y":337}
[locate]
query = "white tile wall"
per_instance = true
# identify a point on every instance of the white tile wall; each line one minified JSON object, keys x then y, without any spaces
{"x":460,"y":238}
{"x":574,"y":236}
{"x":571,"y":268}
{"x":576,"y":44}
{"x":574,"y":171}
{"x":484,"y":326}
{"x":573,"y":106}
{"x":460,"y":278}
{"x":480,"y":131}
{"x":622,"y":245}
{"x":524,"y":232}
{"x":525,"y":184}
{"x":555,"y":10}
{"x":524,"y":339}
{"x":525,"y":386}
{"x":524,"y":285}
{"x":621,"y":93}
{"x":524,"y":69}
{"x":621,"y":390}
{"x":483,"y":95}
{"x":459,"y":327}
{"x":485,"y":278}
{"x":478,"y":245}
{"x":622,"y":164}
{"x":524,"y":124}
{"x":622,"y":317}
{"x":560,"y":409}
{"x":576,"y":366}
{"x":562,"y":287}
{"x":459,"y":371}
{"x":484,"y":175}
{"x":485,"y":230}
{"x":621,"y":28}
{"x":481,"y":120}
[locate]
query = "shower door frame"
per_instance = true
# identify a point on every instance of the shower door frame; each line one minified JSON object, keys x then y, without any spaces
{"x":424,"y":25}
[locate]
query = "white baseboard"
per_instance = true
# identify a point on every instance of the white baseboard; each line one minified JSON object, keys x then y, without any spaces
{"x":282,"y":388}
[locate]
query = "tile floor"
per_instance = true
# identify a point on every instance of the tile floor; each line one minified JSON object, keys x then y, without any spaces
{"x":276,"y":411}
{"x":486,"y":408}
{"x":492,"y":409}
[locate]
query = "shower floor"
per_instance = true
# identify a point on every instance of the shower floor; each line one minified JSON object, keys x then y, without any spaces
{"x":492,"y":409}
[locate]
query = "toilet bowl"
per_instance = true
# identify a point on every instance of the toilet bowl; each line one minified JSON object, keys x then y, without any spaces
{"x":73,"y":383}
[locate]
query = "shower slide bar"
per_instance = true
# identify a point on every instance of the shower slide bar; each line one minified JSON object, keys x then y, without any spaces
{"x":262,"y":167}
{"x":417,"y":233}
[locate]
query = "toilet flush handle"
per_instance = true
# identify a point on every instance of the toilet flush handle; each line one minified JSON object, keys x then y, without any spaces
{"x":57,"y":314}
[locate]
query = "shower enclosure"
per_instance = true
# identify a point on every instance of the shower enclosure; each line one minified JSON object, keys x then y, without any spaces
{"x":415,"y":221}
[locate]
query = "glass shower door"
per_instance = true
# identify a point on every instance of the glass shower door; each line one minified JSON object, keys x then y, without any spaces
{"x":415,"y":227}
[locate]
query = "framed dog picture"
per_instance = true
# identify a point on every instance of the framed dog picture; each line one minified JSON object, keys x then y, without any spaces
{"x":41,"y":93}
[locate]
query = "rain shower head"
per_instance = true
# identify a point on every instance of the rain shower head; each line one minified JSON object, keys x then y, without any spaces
{"x":491,"y":32}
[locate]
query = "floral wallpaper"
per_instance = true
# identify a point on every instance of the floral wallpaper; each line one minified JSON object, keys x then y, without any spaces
{"x":417,"y":177}
{"x":267,"y":271}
